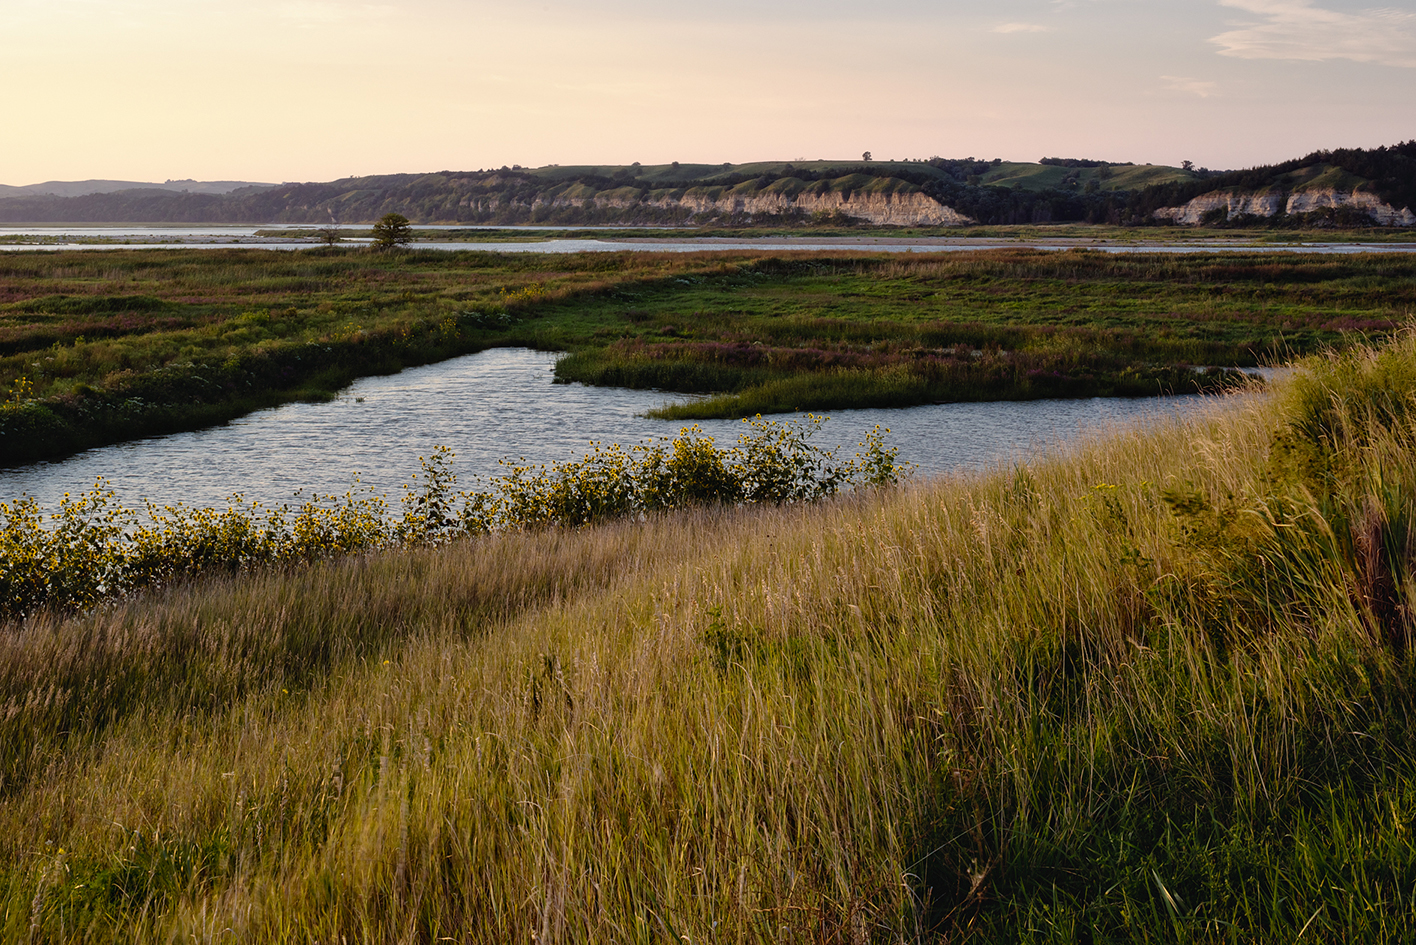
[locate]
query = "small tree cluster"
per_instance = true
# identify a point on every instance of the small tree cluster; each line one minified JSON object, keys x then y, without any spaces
{"x":392,"y":230}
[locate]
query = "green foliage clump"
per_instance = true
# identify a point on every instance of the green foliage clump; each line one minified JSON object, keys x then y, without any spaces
{"x":392,"y":230}
{"x":772,"y":462}
{"x":91,"y":549}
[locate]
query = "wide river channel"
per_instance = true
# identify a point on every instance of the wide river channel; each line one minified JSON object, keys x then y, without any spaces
{"x":502,"y":404}
{"x":58,"y":237}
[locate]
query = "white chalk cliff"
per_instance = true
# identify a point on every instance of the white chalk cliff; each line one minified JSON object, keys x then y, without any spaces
{"x":1383,"y":213}
{"x":898,"y":209}
{"x":1271,"y":203}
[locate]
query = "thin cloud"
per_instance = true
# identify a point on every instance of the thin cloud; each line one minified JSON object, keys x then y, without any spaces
{"x":1021,"y":28}
{"x":1183,"y":83}
{"x":1298,"y":29}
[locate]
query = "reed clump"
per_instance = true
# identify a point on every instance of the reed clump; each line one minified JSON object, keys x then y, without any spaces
{"x":1159,"y":689}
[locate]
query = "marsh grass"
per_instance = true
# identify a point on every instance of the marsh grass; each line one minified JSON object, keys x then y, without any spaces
{"x":126,"y":344}
{"x":1143,"y":692}
{"x":952,"y":380}
{"x":823,"y":332}
{"x":138,"y":343}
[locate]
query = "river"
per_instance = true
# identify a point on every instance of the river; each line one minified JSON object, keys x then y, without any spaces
{"x":284,"y":237}
{"x":502,"y":404}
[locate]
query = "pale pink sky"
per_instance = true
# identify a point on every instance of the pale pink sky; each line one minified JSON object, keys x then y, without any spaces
{"x":319,"y":89}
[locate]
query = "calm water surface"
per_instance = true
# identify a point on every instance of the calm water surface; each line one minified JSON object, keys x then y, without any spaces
{"x":502,"y":404}
{"x":59,"y":237}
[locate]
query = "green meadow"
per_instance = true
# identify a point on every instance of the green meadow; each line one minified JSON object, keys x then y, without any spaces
{"x":1158,"y":689}
{"x":100,"y":347}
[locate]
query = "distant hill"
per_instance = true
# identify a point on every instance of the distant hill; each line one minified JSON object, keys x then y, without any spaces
{"x":1349,"y":187}
{"x":80,"y":188}
{"x":937,"y":192}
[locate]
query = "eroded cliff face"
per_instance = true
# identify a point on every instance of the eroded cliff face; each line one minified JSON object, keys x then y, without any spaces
{"x":907,"y":209}
{"x":1234,"y":205}
{"x":1272,"y":203}
{"x":1383,"y":213}
{"x":891,"y":209}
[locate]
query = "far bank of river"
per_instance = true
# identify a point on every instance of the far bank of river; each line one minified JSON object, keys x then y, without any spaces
{"x":502,"y":404}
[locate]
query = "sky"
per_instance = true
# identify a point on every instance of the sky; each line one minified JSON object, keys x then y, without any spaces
{"x":295,"y":90}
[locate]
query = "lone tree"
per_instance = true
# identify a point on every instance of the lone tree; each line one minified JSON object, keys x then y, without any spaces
{"x":392,"y":230}
{"x":329,"y":235}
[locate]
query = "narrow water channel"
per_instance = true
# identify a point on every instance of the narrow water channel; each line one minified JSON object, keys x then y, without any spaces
{"x":502,"y":404}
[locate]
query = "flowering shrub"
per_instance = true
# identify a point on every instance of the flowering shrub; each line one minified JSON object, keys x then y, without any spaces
{"x":21,"y":392}
{"x":523,"y":295}
{"x":90,"y":548}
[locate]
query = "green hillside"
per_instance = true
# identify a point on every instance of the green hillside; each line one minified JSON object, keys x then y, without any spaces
{"x":1109,"y":178}
{"x":679,"y":175}
{"x":778,"y":193}
{"x":1389,"y":173}
{"x":987,"y":191}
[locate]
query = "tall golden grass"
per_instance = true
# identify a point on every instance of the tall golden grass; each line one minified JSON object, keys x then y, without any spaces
{"x":1149,"y":690}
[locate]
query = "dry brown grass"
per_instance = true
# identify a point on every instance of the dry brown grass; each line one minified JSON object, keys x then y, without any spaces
{"x":853,"y":721}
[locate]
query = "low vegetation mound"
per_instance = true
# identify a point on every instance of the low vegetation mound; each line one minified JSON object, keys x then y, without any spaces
{"x":1160,"y":689}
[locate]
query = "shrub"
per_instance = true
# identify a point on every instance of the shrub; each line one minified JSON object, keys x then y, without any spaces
{"x":90,"y":548}
{"x":392,"y":230}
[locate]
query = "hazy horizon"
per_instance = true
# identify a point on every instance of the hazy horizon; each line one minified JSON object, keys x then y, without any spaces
{"x":317,"y":90}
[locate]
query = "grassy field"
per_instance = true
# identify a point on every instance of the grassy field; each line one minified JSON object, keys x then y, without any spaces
{"x":1158,"y":690}
{"x":96,"y":348}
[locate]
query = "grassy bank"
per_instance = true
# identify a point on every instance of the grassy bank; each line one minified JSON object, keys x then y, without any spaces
{"x":824,"y":333}
{"x":97,"y":348}
{"x":859,"y":229}
{"x":1159,"y":690}
{"x":100,"y":348}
